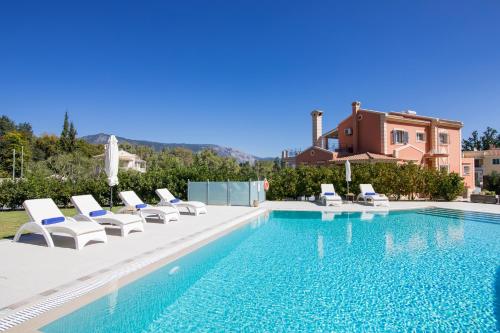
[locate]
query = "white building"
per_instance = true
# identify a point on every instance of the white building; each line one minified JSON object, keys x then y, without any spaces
{"x":128,"y":161}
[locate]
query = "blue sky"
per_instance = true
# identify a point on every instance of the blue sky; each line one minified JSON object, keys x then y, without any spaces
{"x":245,"y":74}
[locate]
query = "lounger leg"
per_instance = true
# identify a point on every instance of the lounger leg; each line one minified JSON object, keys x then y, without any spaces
{"x":81,"y":240}
{"x":123,"y":232}
{"x":35,"y":227}
{"x":128,"y":228}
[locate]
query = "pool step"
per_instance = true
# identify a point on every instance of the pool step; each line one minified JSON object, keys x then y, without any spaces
{"x":462,"y":215}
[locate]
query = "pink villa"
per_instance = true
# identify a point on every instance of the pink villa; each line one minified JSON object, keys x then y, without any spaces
{"x":368,"y":136}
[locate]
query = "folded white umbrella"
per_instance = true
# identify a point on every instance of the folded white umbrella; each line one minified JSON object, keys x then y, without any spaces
{"x":347,"y":173}
{"x":111,"y":162}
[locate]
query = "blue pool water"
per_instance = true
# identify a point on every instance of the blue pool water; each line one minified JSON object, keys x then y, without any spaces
{"x":423,"y":270}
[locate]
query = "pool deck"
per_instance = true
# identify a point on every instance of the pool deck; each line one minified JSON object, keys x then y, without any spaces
{"x":394,"y":205}
{"x":33,"y":274}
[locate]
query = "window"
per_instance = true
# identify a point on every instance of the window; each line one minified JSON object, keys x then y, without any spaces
{"x":466,"y":170}
{"x":443,"y":138}
{"x":399,"y":137}
{"x":496,"y":161}
{"x":420,"y":137}
{"x":348,"y":131}
{"x":444,"y":167}
{"x":478,"y":163}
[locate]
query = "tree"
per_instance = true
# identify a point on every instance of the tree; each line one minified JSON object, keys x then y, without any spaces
{"x":6,"y":125}
{"x":489,"y":138}
{"x":9,"y":142}
{"x":64,"y":138}
{"x":72,"y":137}
{"x":26,"y":130}
{"x":45,"y":147}
{"x":472,"y":143}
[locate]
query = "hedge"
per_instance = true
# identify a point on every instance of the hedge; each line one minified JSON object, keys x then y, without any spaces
{"x":397,"y":181}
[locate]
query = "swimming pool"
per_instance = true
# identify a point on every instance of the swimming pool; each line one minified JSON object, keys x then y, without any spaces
{"x":430,"y":269}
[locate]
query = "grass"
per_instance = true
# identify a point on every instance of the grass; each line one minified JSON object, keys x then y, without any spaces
{"x":10,"y":221}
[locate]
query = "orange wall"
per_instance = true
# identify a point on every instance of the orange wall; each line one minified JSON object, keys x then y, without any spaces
{"x":468,"y":179}
{"x":317,"y":156}
{"x":412,"y":130}
{"x":345,"y":141}
{"x":454,"y":149}
{"x":369,"y":133}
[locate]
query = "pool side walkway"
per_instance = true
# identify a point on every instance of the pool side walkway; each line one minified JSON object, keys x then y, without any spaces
{"x":394,"y":205}
{"x":32,"y":274}
{"x":29,"y":269}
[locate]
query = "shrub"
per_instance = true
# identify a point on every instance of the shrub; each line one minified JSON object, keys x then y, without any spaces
{"x":492,"y":182}
{"x":396,"y":181}
{"x":451,"y":185}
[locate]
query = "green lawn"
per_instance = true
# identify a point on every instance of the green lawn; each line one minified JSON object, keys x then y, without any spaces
{"x":10,"y":221}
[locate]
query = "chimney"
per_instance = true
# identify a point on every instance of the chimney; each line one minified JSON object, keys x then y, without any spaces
{"x":355,"y":108}
{"x":317,"y":127}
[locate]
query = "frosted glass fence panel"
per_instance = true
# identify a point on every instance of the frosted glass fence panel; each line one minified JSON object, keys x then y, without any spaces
{"x":254,"y":195}
{"x":257,"y":191}
{"x":238,"y":194}
{"x":261,"y":192}
{"x":217,"y":193}
{"x":197,"y":191}
{"x":227,"y":193}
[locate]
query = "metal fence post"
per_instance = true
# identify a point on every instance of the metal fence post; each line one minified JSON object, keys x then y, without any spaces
{"x":249,"y":193}
{"x":228,"y":193}
{"x":208,"y":191}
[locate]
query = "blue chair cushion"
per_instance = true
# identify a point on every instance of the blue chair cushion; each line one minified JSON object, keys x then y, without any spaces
{"x":329,"y":193}
{"x":53,"y":220}
{"x":99,"y":212}
{"x":139,"y":206}
{"x":175,"y":200}
{"x":370,"y":193}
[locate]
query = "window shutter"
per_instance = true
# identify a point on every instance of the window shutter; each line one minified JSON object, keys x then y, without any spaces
{"x":405,"y":137}
{"x":393,"y":137}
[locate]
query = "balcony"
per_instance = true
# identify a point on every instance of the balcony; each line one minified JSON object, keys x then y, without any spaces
{"x":436,"y":153}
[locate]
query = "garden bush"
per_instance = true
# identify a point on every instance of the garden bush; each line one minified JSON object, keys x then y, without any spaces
{"x":397,"y":181}
{"x":492,"y":182}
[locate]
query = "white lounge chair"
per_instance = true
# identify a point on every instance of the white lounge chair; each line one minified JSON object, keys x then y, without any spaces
{"x":167,"y":199}
{"x":46,"y":219}
{"x":369,"y":196}
{"x":134,"y":204}
{"x":328,"y":195}
{"x":90,"y":210}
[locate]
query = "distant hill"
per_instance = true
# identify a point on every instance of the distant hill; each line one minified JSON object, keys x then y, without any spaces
{"x":240,"y":156}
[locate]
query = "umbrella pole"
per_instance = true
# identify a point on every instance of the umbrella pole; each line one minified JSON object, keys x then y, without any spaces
{"x":111,"y":198}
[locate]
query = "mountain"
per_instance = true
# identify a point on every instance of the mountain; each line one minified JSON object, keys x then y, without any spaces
{"x":240,"y":156}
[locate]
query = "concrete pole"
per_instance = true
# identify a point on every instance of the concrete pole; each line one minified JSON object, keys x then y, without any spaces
{"x":22,"y":161}
{"x":14,"y":164}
